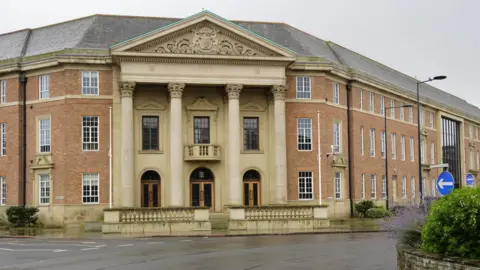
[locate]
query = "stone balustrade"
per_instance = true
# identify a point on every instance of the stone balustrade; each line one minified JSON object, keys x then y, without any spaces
{"x":202,"y":152}
{"x":281,"y":217}
{"x":156,"y":220}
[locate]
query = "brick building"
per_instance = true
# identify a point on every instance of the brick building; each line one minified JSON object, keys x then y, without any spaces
{"x":203,"y":111}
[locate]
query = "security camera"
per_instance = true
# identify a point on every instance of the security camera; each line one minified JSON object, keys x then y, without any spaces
{"x":331,"y":153}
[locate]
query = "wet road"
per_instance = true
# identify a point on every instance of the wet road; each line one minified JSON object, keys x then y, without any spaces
{"x":326,"y":252}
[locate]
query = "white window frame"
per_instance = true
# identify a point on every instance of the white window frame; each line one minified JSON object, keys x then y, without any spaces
{"x":410,"y":114}
{"x":382,"y":144}
{"x":362,"y":145}
{"x":371,"y":100}
{"x":382,"y":105}
{"x":404,"y":187}
{"x":424,"y":180}
{"x":402,"y":112}
{"x":471,"y":159}
{"x":306,"y":121}
{"x":304,"y":87}
{"x":402,"y":145}
{"x":336,"y":93}
{"x":476,"y":133}
{"x":363,"y":186}
{"x":44,"y":189}
{"x":3,"y":190}
{"x":89,"y":144}
{"x":338,"y":185}
{"x":470,"y":131}
{"x":423,"y":151}
{"x":372,"y":142}
{"x":337,"y":137}
{"x":392,"y":109}
{"x":431,"y":119}
{"x":413,"y":187}
{"x":432,"y":153}
{"x":305,"y":176}
{"x":478,"y":160}
{"x":394,"y":146}
{"x":90,"y":193}
{"x":412,"y":149}
{"x":422,"y":118}
{"x":3,"y":92}
{"x":90,"y":89}
{"x":3,"y":139}
{"x":361,"y":99}
{"x":434,"y":187}
{"x":43,"y":87}
{"x":373,"y":186}
{"x":45,"y":139}
{"x":384,"y":187}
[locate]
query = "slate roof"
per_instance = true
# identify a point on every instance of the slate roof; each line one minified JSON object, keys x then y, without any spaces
{"x":103,"y":31}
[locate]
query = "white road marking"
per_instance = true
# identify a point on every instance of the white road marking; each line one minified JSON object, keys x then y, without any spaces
{"x":60,"y":250}
{"x":88,"y":242}
{"x":32,"y":250}
{"x":126,"y":245}
{"x":99,"y":246}
{"x":89,"y":248}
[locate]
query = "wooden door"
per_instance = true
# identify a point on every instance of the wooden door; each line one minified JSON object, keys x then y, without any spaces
{"x":251,"y":193}
{"x":202,"y":194}
{"x":151,"y":193}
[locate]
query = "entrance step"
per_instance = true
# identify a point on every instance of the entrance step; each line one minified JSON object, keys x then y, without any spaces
{"x":219,"y":221}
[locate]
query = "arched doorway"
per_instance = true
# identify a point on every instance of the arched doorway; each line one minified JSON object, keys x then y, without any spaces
{"x":251,"y":188}
{"x":150,"y":189}
{"x":201,"y":187}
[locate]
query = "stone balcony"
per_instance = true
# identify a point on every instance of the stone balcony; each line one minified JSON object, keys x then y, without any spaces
{"x":202,"y":152}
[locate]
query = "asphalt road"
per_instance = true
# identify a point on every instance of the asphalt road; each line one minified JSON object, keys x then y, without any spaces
{"x":326,"y":252}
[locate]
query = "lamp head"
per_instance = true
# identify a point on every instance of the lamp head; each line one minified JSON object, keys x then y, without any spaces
{"x":438,"y":78}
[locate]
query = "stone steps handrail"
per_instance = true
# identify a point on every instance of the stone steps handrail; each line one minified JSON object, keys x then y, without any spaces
{"x":145,"y":215}
{"x":283,"y":212}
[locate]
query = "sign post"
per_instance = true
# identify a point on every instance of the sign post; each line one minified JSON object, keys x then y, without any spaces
{"x":469,"y":179}
{"x":445,"y":183}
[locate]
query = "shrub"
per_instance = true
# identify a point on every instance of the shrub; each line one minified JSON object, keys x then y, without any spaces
{"x":20,"y":217}
{"x":363,"y":206}
{"x":406,"y":226}
{"x":452,"y":226}
{"x":377,"y":212}
{"x":397,"y":209}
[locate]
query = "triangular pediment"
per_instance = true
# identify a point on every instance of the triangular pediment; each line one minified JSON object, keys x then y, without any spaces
{"x":251,"y":106}
{"x":202,"y":104}
{"x":149,"y":104}
{"x":203,"y":34}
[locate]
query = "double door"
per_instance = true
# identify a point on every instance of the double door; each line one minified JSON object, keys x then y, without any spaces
{"x":150,"y":193}
{"x":202,"y":194}
{"x":251,"y":193}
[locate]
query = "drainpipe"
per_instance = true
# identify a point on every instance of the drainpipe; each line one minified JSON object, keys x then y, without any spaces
{"x":110,"y":159}
{"x":349,"y":134}
{"x":23,"y":81}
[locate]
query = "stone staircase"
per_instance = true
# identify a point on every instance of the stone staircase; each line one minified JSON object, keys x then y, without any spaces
{"x":219,"y":220}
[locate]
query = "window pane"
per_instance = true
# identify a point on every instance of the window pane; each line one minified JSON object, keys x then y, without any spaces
{"x":201,"y":130}
{"x":150,"y":133}
{"x":250,"y":133}
{"x":90,"y":133}
{"x":304,"y":131}
{"x":305,"y":186}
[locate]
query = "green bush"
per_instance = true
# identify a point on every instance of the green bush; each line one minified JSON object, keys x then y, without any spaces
{"x":363,"y":206}
{"x":452,"y":226}
{"x":21,"y":217}
{"x":377,"y":212}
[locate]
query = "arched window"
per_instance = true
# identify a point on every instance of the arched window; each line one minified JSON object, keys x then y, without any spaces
{"x":150,"y":175}
{"x":201,"y":174}
{"x":251,"y":175}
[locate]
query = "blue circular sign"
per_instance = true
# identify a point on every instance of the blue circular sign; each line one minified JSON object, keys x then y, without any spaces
{"x":445,"y":183}
{"x":470,"y":179}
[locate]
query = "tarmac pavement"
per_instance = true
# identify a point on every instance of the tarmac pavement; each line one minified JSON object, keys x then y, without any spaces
{"x":324,"y":251}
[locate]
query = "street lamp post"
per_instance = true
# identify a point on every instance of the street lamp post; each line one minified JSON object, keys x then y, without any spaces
{"x":436,"y":78}
{"x":386,"y":147}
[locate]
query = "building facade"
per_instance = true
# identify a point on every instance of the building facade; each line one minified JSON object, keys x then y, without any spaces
{"x":202,"y":111}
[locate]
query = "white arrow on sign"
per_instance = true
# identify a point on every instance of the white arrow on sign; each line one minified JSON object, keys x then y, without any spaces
{"x":441,"y":184}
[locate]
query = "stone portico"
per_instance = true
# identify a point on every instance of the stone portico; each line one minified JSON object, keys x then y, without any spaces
{"x":202,"y":67}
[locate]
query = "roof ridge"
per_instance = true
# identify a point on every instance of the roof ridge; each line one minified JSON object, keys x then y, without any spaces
{"x":135,"y":16}
{"x":16,"y":31}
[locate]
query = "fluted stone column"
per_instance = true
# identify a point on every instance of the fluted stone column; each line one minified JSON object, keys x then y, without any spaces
{"x":126,"y":92}
{"x":176,"y":144}
{"x":279,"y":92}
{"x":235,"y":180}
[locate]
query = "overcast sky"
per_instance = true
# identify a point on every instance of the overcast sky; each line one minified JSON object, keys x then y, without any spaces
{"x":420,"y":38}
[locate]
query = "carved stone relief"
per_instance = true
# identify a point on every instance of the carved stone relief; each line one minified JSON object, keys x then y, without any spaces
{"x":204,"y":38}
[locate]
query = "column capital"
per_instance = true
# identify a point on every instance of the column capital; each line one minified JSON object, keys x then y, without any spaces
{"x":126,"y":89}
{"x":279,"y":92}
{"x":176,"y":89}
{"x":233,"y":90}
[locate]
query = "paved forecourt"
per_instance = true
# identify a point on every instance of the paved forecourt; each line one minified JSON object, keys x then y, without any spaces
{"x":333,"y":251}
